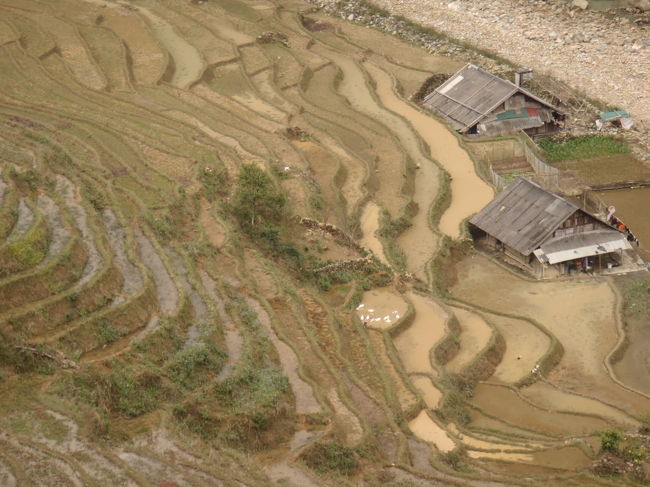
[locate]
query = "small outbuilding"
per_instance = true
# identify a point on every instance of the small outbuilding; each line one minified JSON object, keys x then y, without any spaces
{"x":545,"y":234}
{"x":475,"y":101}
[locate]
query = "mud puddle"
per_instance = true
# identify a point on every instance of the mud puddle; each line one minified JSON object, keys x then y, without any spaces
{"x":504,"y":404}
{"x":508,"y":457}
{"x":525,"y":346}
{"x":426,"y":429}
{"x":381,"y":308}
{"x":353,"y":86}
{"x":187,"y":62}
{"x":469,"y":193}
{"x":430,"y":392}
{"x":588,"y":305}
{"x":634,"y":368}
{"x":547,"y":396}
{"x":627,"y":203}
{"x":475,"y":336}
{"x":414,"y":344}
{"x":478,"y":444}
{"x":369,"y":227}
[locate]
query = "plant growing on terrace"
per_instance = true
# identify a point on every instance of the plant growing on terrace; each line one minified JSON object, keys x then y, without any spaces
{"x":257,"y":200}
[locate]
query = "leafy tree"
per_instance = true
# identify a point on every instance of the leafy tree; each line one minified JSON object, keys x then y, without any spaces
{"x":257,"y":200}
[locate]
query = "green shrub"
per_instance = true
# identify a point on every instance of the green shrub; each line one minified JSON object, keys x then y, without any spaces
{"x":118,"y":391}
{"x":251,"y":390}
{"x":610,"y":440}
{"x":324,"y":283}
{"x":331,"y":457}
{"x":187,"y":364}
{"x":214,"y":179}
{"x":582,"y":147}
{"x":637,"y":299}
{"x":456,"y":458}
{"x":107,"y":333}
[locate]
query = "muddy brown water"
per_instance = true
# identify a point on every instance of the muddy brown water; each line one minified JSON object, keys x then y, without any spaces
{"x":549,"y":397}
{"x":475,"y":443}
{"x":419,"y":242}
{"x":414,"y":344}
{"x":503,"y":403}
{"x":430,"y":392}
{"x":381,"y":308}
{"x":634,"y":368}
{"x":526,"y":345}
{"x":474,"y":337}
{"x":426,"y":429}
{"x":630,"y":207}
{"x":369,"y":227}
{"x":589,"y":307}
{"x":469,"y":193}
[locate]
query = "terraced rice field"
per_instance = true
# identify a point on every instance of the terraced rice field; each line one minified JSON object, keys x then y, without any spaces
{"x":160,"y":326}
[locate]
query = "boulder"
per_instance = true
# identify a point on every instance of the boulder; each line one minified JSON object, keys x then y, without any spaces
{"x":583,"y":4}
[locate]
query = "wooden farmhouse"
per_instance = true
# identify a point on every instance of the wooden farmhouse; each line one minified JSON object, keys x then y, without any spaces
{"x":545,"y":234}
{"x":476,"y":102}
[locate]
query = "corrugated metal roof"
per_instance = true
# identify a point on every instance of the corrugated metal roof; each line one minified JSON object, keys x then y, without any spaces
{"x":581,"y":245}
{"x":470,"y":95}
{"x":523,"y":215}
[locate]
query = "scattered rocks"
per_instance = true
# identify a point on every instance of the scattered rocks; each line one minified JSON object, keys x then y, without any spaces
{"x":583,"y":4}
{"x":297,"y":133}
{"x":335,"y":232}
{"x":604,"y":55}
{"x":269,"y":37}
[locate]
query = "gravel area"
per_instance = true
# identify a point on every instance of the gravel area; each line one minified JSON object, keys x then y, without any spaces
{"x":607,"y":58}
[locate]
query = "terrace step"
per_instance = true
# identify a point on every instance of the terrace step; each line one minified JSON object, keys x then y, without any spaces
{"x":512,"y":165}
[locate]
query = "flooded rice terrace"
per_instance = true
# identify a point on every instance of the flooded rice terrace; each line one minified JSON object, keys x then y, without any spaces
{"x":148,"y":110}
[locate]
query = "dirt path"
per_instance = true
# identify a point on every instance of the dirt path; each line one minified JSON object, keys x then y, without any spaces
{"x":188,"y":63}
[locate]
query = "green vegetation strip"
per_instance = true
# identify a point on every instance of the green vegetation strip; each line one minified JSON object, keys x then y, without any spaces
{"x":582,"y":147}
